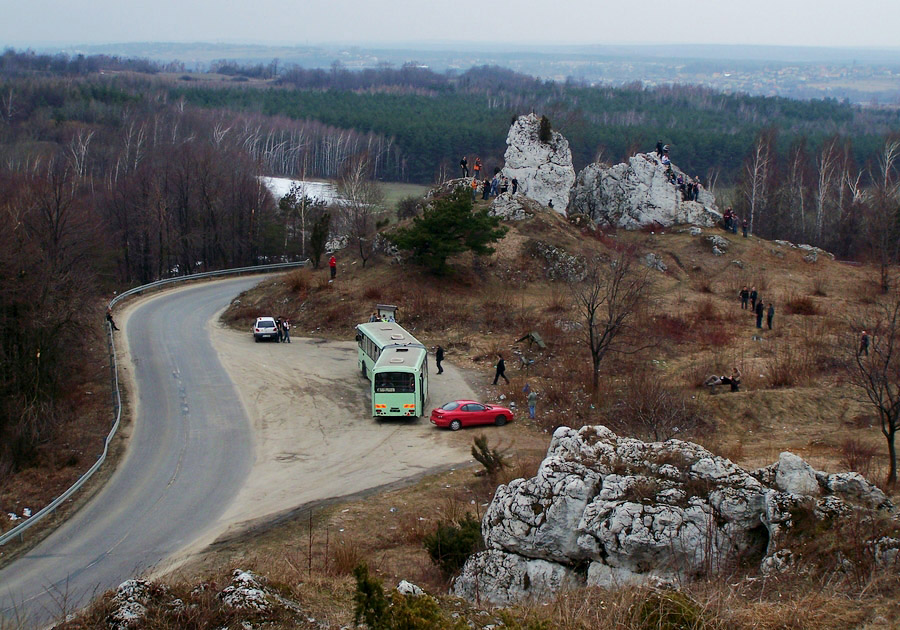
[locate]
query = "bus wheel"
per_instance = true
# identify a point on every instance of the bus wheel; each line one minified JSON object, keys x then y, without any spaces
{"x":362,"y":369}
{"x":500,"y":421}
{"x":456,"y":425}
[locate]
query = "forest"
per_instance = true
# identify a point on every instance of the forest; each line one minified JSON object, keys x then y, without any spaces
{"x":116,"y":172}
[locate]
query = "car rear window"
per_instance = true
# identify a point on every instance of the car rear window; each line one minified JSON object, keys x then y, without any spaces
{"x":265,"y":325}
{"x":450,"y":406}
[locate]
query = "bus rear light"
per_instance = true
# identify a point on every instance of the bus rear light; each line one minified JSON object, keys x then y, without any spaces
{"x":409,"y":406}
{"x":381,"y":406}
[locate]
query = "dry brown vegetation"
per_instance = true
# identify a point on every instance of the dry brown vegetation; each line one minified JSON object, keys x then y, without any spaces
{"x":792,"y":398}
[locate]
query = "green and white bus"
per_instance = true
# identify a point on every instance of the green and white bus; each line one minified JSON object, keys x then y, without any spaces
{"x":397,"y":366}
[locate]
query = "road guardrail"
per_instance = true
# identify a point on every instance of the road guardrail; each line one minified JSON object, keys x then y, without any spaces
{"x":19,"y":530}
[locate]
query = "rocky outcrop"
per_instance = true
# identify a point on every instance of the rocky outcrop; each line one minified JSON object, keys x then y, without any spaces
{"x":606,"y":510}
{"x":638,"y":193}
{"x":511,"y":207}
{"x":544,"y":169}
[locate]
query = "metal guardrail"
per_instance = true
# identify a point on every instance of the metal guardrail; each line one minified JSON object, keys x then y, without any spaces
{"x":19,"y":530}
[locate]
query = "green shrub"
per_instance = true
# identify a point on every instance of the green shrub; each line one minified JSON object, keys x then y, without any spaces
{"x":450,"y":545}
{"x":668,"y":610}
{"x":399,"y":612}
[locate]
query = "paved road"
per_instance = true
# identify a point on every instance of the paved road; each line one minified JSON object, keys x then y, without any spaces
{"x":190,"y":452}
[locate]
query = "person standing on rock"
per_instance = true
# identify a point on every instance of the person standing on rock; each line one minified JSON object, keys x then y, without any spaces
{"x":477,"y":167}
{"x":515,"y":185}
{"x":464,"y":165}
{"x":474,"y":187}
{"x":438,"y":357}
{"x":759,"y":313}
{"x":659,"y":149}
{"x":501,"y":369}
{"x":770,"y":315}
{"x":745,"y":297}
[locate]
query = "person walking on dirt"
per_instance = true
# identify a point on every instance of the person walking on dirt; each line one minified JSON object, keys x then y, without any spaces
{"x":863,"y":343}
{"x":770,"y":315}
{"x":759,"y":313}
{"x":501,"y":369}
{"x":753,"y":296}
{"x":332,"y":264}
{"x":438,"y":357}
{"x":286,"y":327}
{"x":532,"y":403}
{"x":745,"y":297}
{"x":280,"y":328}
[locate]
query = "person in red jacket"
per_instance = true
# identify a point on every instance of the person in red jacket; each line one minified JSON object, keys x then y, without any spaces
{"x":332,"y":264}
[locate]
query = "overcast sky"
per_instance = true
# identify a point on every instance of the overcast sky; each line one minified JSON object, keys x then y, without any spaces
{"x":838,"y":23}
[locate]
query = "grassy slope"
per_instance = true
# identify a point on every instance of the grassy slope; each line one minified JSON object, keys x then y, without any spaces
{"x":698,"y":329}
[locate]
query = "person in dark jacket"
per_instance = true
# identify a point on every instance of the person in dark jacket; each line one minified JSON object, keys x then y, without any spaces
{"x":464,"y":165}
{"x":770,"y":315}
{"x":112,"y":323}
{"x":753,"y":296}
{"x":501,"y":369}
{"x":864,"y":343}
{"x":760,"y":309}
{"x":438,"y":357}
{"x":745,"y":298}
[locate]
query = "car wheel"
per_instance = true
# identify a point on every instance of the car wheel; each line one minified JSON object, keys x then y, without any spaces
{"x":500,"y":421}
{"x":256,"y":339}
{"x":455,"y":425}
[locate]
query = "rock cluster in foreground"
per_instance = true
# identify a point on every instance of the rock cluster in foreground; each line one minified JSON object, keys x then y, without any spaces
{"x":608,"y":511}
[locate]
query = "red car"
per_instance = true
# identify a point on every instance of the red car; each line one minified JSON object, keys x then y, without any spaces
{"x":465,"y":413}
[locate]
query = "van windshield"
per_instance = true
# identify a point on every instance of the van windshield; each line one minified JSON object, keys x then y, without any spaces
{"x":395,"y":383}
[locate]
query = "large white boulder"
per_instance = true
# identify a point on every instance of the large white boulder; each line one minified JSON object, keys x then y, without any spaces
{"x":638,"y":193}
{"x":635,"y":512}
{"x":544,"y":169}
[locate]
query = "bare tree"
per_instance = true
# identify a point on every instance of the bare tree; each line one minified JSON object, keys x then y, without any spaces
{"x":361,"y":203}
{"x":608,"y":299}
{"x":756,"y":175}
{"x":874,"y":371}
{"x":826,"y":165}
{"x":884,"y":212}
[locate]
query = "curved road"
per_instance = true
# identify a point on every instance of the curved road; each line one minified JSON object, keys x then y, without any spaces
{"x":190,"y":451}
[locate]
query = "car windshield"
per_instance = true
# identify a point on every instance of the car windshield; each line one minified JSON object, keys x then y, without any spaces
{"x":265,"y":325}
{"x":450,"y":406}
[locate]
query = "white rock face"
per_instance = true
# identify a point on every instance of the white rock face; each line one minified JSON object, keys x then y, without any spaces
{"x":544,"y":170}
{"x":510,"y":208}
{"x":636,"y":512}
{"x":638,"y":193}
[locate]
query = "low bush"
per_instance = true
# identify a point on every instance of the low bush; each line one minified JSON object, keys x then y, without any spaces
{"x":668,"y":610}
{"x":492,"y":459}
{"x":800,"y":305}
{"x":451,"y":544}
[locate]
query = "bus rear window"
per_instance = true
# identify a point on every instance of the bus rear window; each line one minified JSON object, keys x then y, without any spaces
{"x":395,"y":383}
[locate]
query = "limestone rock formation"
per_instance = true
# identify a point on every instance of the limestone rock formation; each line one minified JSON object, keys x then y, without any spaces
{"x":511,"y":207}
{"x":544,"y":170}
{"x":638,"y":193}
{"x":630,"y":512}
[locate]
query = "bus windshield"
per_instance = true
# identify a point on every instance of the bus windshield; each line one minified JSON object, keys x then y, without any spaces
{"x":395,"y":383}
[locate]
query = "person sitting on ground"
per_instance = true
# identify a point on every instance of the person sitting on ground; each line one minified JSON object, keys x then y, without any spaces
{"x":735,"y":380}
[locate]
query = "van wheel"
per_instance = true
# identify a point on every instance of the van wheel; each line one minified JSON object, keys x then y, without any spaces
{"x":456,"y":425}
{"x":500,"y":421}
{"x":362,"y":370}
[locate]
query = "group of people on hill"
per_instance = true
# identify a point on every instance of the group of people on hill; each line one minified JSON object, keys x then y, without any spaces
{"x":731,"y":221}
{"x":497,"y":185}
{"x":750,"y":298}
{"x":689,"y":186}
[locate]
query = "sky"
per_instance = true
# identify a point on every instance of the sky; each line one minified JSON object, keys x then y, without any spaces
{"x":830,"y":23}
